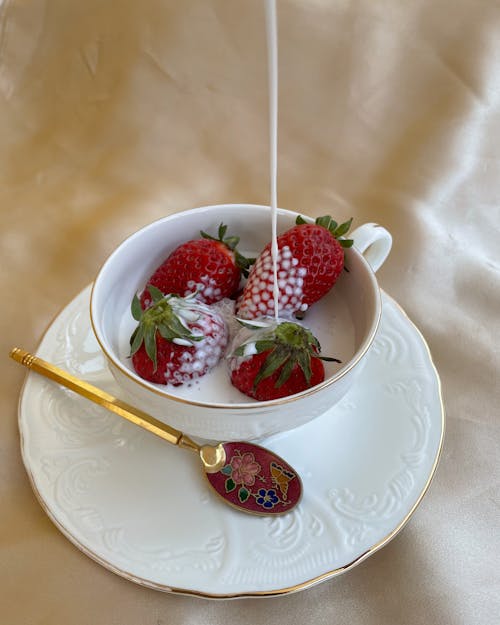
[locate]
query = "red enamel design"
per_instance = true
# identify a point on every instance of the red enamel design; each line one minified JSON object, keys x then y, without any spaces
{"x":257,"y":480}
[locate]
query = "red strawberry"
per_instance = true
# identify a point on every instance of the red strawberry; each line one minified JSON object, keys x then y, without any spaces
{"x":282,"y":360}
{"x":210,"y":267}
{"x":310,"y":259}
{"x":177,"y":339}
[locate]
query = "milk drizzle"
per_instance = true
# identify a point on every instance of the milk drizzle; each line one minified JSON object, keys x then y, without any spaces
{"x":272,"y":65}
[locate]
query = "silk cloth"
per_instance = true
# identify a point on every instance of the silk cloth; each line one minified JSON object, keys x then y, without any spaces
{"x":113,"y":114}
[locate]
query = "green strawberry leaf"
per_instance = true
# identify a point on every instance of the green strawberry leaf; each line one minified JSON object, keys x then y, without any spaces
{"x":304,"y":360}
{"x":178,"y":329}
{"x":136,"y":308}
{"x":243,"y":263}
{"x":264,"y":345}
{"x":232,"y":242}
{"x":150,"y":343}
{"x":343,"y":228}
{"x":155,"y":293}
{"x":222,"y":231}
{"x":136,"y":339}
{"x":205,"y":235}
{"x":260,"y":346}
{"x":272,"y":363}
{"x":166,"y":332}
{"x":326,"y":222}
{"x":285,"y":373}
{"x":315,"y":343}
{"x":300,"y":221}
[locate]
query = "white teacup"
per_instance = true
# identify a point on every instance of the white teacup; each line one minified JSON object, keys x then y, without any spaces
{"x":352,"y":309}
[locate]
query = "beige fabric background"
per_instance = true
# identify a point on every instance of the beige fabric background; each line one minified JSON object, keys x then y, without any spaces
{"x":113,"y":114}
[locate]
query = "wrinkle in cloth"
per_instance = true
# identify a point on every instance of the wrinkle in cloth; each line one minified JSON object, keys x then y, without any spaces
{"x":113,"y":115}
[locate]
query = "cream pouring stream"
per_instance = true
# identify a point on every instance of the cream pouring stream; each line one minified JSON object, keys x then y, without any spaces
{"x":272,"y":63}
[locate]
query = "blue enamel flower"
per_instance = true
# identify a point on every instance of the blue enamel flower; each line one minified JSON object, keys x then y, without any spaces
{"x":267,"y":498}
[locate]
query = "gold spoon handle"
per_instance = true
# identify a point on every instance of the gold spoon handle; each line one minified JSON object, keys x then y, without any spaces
{"x":170,"y":434}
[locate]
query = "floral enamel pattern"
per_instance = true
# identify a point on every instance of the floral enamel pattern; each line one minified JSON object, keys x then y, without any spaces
{"x":256,"y":479}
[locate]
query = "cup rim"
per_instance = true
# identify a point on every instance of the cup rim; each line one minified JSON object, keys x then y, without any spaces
{"x":240,"y":406}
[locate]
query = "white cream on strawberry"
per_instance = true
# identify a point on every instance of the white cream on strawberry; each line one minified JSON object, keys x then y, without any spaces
{"x":208,"y":351}
{"x":206,"y":287}
{"x":290,"y":283}
{"x":225,"y":307}
{"x":247,"y":338}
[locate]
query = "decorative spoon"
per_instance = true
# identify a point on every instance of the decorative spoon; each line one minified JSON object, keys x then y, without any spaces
{"x":246,"y":476}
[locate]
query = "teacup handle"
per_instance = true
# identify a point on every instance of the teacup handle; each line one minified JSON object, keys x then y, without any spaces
{"x":374,"y":242}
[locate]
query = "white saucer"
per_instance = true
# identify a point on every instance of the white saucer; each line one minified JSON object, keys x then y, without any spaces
{"x":142,"y":509}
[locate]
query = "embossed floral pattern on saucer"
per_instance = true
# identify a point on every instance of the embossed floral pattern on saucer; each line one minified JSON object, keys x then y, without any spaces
{"x":365,"y":466}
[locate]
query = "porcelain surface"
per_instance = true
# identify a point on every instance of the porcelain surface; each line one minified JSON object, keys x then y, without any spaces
{"x":142,"y":508}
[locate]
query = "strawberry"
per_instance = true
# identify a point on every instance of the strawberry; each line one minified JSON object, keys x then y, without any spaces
{"x":177,"y":339}
{"x":310,"y":259}
{"x":280,"y":360}
{"x":211,"y":267}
